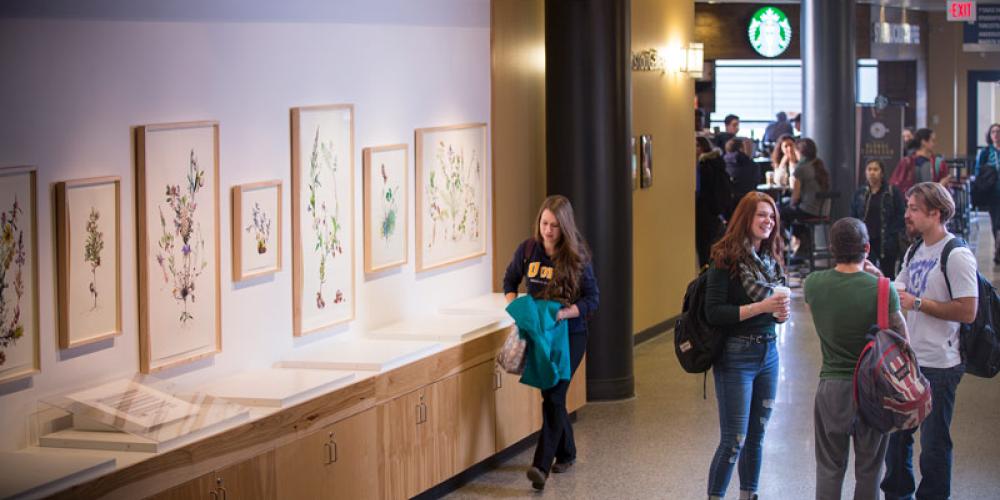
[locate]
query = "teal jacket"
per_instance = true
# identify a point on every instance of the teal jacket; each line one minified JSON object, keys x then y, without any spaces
{"x":547,"y":356}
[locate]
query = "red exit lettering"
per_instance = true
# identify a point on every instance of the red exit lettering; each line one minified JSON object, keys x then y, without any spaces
{"x":961,"y":10}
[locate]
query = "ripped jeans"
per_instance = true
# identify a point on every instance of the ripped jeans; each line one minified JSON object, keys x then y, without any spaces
{"x":746,"y":383}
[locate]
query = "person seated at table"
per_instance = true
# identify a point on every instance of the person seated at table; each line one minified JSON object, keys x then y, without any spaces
{"x":811,"y":178}
{"x":881,"y":206}
{"x":783,"y":160}
{"x":743,"y":172}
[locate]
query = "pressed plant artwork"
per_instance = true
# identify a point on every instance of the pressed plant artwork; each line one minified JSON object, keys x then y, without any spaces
{"x":326,"y":226}
{"x":12,"y":261}
{"x":260,"y":228}
{"x":92,"y":250}
{"x":390,"y":207}
{"x":181,"y":253}
{"x":453,"y":193}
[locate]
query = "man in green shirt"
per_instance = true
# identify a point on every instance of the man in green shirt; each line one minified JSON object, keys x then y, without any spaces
{"x":844,"y":306}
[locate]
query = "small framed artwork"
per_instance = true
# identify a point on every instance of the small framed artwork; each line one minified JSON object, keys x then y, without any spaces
{"x":256,"y":229}
{"x":177,"y":195}
{"x":19,"y":352}
{"x":88,"y":259}
{"x":646,"y":172}
{"x":322,"y":217}
{"x":385,"y":190}
{"x":633,"y":160}
{"x":451,"y":194}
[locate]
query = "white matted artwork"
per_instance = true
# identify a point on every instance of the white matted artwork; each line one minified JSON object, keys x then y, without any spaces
{"x":385,"y":192}
{"x":256,"y":229}
{"x":133,"y":406}
{"x":322,"y":217}
{"x":177,"y":187}
{"x":88,"y":257}
{"x":451,"y":194}
{"x":19,"y":354}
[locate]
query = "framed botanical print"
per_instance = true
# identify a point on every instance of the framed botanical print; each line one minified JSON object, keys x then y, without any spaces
{"x":19,"y":353}
{"x":385,"y":191}
{"x":177,"y":194}
{"x":451,"y":194}
{"x":256,"y":229}
{"x":322,"y":217}
{"x":88,"y":260}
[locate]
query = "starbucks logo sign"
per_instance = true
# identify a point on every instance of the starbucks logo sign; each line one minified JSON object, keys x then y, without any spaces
{"x":769,"y":32}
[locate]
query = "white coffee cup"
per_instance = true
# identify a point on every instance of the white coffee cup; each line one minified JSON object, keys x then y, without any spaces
{"x":783,"y":291}
{"x":900,"y":287}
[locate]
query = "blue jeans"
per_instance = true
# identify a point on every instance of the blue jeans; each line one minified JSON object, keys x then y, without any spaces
{"x":746,"y":382}
{"x":935,"y":444}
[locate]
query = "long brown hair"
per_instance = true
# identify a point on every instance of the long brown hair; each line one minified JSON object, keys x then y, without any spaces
{"x":571,"y":253}
{"x":729,"y":251}
{"x":808,"y":152}
{"x":779,"y":152}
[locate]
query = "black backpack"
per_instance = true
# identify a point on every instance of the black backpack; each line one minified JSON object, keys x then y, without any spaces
{"x":979,"y":341}
{"x":984,"y":185}
{"x":696,"y":343}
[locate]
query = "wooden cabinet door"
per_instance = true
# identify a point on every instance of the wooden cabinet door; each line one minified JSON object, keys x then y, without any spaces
{"x":355,"y":460}
{"x":443,"y":426}
{"x":518,"y":410}
{"x":407,"y":445}
{"x":476,"y":416}
{"x":202,"y":488}
{"x":339,"y":461}
{"x":576,"y":398}
{"x":249,"y":479}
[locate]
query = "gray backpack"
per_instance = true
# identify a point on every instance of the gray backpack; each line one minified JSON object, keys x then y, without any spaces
{"x":890,"y":393}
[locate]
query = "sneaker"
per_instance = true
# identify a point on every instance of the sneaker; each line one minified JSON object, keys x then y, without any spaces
{"x":537,"y":478}
{"x":560,"y":467}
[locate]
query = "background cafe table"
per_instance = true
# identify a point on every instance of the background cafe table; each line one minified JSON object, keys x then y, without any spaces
{"x":774,"y":191}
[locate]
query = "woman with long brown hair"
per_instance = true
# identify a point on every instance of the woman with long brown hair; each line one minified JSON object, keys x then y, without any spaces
{"x":811,"y":178}
{"x":740,"y":301}
{"x":555,"y":263}
{"x":783,"y":160}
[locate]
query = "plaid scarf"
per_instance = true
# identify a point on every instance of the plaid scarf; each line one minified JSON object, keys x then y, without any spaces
{"x":759,"y":274}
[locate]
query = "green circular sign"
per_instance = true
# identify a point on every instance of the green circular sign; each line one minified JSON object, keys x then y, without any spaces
{"x":769,"y":32}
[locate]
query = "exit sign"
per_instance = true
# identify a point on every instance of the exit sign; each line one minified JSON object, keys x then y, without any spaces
{"x":962,"y":10}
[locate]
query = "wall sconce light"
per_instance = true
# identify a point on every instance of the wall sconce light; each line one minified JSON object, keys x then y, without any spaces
{"x":674,"y":59}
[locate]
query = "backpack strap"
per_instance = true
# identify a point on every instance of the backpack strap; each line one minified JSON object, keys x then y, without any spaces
{"x":883,"y":303}
{"x":948,"y":247}
{"x":912,"y":250}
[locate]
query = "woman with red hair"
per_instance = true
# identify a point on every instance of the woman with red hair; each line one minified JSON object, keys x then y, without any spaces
{"x":740,"y":302}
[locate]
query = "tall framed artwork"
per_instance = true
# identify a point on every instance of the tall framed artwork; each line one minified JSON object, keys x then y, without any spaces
{"x":451,"y":194}
{"x":88,"y":260}
{"x":385,"y":191}
{"x":19,"y":352}
{"x":322,"y":217}
{"x":177,"y":195}
{"x":256,"y":229}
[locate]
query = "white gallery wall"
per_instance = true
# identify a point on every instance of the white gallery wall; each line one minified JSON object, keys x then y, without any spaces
{"x":75,"y":82}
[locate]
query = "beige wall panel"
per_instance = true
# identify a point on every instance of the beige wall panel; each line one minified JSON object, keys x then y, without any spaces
{"x":518,"y":124}
{"x":663,"y":215}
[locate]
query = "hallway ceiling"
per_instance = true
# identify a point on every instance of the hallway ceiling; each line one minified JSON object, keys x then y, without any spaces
{"x":932,"y":5}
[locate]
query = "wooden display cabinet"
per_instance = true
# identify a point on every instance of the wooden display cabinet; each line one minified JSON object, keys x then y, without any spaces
{"x":337,"y":462}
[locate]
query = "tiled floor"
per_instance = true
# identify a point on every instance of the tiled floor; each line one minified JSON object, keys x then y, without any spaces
{"x":659,"y":444}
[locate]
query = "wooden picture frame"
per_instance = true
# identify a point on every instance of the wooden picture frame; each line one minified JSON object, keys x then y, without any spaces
{"x":445,"y":236}
{"x":180,"y":321}
{"x":385,"y":171}
{"x":20,"y":356}
{"x":85,"y":238}
{"x":257,"y":212}
{"x":322,"y":217}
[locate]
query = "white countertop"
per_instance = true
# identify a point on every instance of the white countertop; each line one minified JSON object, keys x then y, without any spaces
{"x":360,"y":354}
{"x":36,"y":472}
{"x":441,"y":327}
{"x":277,"y":387}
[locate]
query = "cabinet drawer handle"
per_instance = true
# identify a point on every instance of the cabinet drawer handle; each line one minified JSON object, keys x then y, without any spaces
{"x":213,"y":494}
{"x":333,"y":447}
{"x":328,"y":453}
{"x":224,"y":495}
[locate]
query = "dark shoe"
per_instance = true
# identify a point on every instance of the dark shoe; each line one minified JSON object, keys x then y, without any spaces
{"x":537,"y":478}
{"x":560,"y":467}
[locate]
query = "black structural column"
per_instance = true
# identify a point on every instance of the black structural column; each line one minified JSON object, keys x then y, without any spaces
{"x":588,"y":124}
{"x":828,"y":80}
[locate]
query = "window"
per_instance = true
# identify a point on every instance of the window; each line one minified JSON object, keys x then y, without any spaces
{"x":756,"y":90}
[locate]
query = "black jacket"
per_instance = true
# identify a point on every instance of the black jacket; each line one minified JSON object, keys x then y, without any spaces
{"x":892,"y":208}
{"x":744,"y":173}
{"x":715,"y":192}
